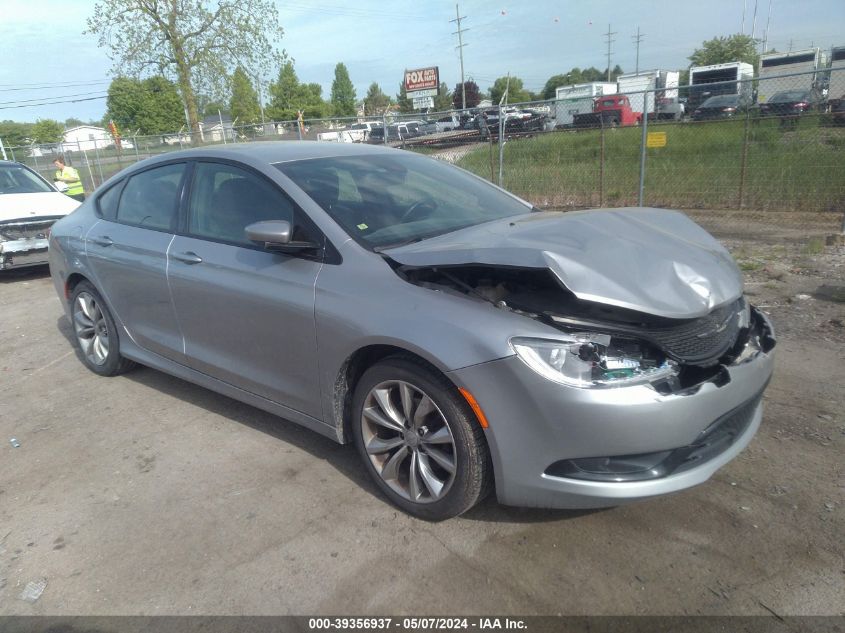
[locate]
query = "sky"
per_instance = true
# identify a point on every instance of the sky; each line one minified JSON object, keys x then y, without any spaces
{"x":46,"y":56}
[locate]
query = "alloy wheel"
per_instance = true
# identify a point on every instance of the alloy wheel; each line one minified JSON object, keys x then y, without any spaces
{"x":408,"y":441}
{"x":91,"y":328}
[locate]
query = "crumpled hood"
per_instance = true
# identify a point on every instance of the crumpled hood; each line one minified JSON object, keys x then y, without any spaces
{"x":31,"y":206}
{"x":651,"y":260}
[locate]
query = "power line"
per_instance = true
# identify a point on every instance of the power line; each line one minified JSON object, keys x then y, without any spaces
{"x":78,"y":94}
{"x":32,"y":105}
{"x":48,"y":86}
{"x":609,"y":35}
{"x":460,"y":47}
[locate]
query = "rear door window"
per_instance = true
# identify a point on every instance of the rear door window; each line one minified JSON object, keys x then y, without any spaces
{"x":151,"y":199}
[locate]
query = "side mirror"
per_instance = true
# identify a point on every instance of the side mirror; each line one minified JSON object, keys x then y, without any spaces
{"x":275,"y":235}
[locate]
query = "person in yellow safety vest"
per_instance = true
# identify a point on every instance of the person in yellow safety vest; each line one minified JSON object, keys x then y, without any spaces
{"x":70,"y":177}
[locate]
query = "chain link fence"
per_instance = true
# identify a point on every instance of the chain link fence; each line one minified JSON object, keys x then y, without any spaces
{"x":761,"y":156}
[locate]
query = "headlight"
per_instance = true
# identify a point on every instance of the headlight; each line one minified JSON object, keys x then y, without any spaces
{"x":589,"y":359}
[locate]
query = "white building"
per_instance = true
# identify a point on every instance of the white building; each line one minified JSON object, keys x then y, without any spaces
{"x":85,"y":138}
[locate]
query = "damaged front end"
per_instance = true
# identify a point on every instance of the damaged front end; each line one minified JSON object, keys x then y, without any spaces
{"x":23,"y":242}
{"x":604,"y":346}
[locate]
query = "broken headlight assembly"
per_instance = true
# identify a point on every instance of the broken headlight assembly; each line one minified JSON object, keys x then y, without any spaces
{"x":590,"y":360}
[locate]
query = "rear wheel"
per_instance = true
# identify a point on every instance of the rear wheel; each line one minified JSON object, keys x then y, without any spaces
{"x":96,"y":333}
{"x":419,"y":440}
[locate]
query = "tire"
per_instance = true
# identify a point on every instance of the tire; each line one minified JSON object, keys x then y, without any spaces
{"x":95,"y":333}
{"x":436,"y":478}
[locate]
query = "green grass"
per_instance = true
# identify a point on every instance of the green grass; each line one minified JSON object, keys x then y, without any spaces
{"x":814,"y":246}
{"x":750,"y":266}
{"x":701,"y":166}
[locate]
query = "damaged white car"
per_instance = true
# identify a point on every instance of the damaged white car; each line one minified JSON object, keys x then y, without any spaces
{"x":29,"y":205}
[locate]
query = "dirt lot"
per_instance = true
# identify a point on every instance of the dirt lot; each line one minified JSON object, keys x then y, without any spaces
{"x":144,"y":494}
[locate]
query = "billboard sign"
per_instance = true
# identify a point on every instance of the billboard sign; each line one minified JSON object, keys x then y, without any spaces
{"x":422,"y":79}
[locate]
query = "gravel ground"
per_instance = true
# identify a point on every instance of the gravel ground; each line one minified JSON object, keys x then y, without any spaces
{"x":144,"y":494}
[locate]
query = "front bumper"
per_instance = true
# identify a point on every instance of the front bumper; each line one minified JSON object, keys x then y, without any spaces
{"x":23,"y":252}
{"x":535,"y":425}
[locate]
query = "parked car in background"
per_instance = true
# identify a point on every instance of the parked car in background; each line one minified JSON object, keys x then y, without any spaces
{"x":719,"y":107}
{"x":448,"y":123}
{"x":395,"y":132}
{"x":526,"y":121}
{"x":791,"y":103}
{"x":461,"y":339}
{"x":366,"y":127}
{"x":29,"y":206}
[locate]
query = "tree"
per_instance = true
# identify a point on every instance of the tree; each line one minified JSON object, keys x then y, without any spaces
{"x":214,"y":108}
{"x":73,"y":122}
{"x":516,"y":93}
{"x":283,"y":94}
{"x":577,"y":76}
{"x":405,"y":103}
{"x":376,"y":102}
{"x":244,"y":105}
{"x":289,"y":97}
{"x":443,"y":99}
{"x":472,"y":93}
{"x":15,"y":134}
{"x":47,"y":131}
{"x":151,"y":106}
{"x":553,"y":83}
{"x":733,"y":48}
{"x":197,"y":43}
{"x":343,"y":92}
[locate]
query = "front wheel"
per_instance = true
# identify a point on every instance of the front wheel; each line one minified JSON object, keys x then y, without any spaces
{"x":96,"y":333}
{"x":419,"y":440}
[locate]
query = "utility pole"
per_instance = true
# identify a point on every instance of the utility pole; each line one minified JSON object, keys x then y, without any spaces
{"x":754,"y":20}
{"x":766,"y":33}
{"x":460,"y":47}
{"x":637,"y":39}
{"x":609,"y":35}
{"x":744,"y":7}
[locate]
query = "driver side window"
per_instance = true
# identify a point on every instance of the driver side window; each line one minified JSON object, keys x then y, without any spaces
{"x":226,"y":199}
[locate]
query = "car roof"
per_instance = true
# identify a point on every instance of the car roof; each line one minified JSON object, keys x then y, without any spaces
{"x":271,"y":152}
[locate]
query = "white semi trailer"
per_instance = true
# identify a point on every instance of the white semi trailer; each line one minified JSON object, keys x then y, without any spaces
{"x":836,"y":78}
{"x":640,"y":88}
{"x":719,"y":79}
{"x":795,"y":70}
{"x":578,"y":99}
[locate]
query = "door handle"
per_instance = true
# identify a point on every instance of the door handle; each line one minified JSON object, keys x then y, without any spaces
{"x":188,"y":258}
{"x":103,"y":240}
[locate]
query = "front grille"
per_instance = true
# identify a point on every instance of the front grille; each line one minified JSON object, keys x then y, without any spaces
{"x":27,"y":229}
{"x":701,"y":341}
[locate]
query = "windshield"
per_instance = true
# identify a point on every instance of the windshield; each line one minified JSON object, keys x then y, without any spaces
{"x":792,"y":96}
{"x":720,"y":101}
{"x":19,"y":179}
{"x":386,"y":200}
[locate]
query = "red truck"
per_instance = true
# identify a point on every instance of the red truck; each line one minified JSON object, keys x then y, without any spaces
{"x":609,"y":111}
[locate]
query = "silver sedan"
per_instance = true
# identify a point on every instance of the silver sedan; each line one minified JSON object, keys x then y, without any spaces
{"x":463,"y":340}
